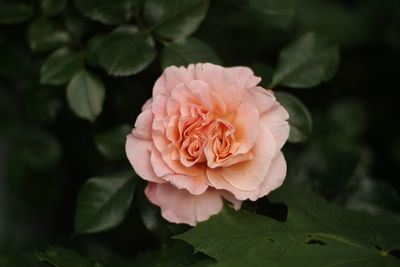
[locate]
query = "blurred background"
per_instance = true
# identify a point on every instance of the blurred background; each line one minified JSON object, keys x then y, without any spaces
{"x":47,"y":153}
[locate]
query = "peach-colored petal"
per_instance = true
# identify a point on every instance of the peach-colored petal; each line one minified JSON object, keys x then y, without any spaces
{"x":248,"y":175}
{"x":276,"y":120}
{"x":275,"y":176}
{"x":143,"y":124}
{"x":179,"y":206}
{"x":160,"y":167}
{"x":171,"y":77}
{"x":159,"y":106}
{"x":217,"y":181}
{"x":138,"y":153}
{"x":179,"y":168}
{"x":246,"y":123}
{"x":147,"y":104}
{"x":196,"y":185}
{"x":159,"y":138}
{"x":221,"y":83}
{"x":244,"y":77}
{"x":262,"y":99}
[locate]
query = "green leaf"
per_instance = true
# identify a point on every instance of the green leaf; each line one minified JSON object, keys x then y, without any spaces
{"x":85,"y":94}
{"x":93,"y":49}
{"x":11,"y":13}
{"x":174,"y":19}
{"x":112,"y":143}
{"x":107,"y":12}
{"x":274,"y":7}
{"x":125,"y":52}
{"x":60,"y":66}
{"x":299,"y":118}
{"x":103,"y":202}
{"x":188,"y":51}
{"x":63,"y":257}
{"x":44,"y":37}
{"x":314,"y":229}
{"x":52,"y":7}
{"x":307,"y":62}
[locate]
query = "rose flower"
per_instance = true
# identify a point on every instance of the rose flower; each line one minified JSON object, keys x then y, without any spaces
{"x":208,"y":133}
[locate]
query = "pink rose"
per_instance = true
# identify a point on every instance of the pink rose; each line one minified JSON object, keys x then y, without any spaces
{"x":208,"y":133}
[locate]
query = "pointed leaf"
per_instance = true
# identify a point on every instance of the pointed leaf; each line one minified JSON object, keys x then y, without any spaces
{"x":125,"y":52}
{"x":112,"y":143}
{"x":103,"y":202}
{"x":188,"y":51}
{"x":307,"y":62}
{"x":174,"y":19}
{"x":85,"y":94}
{"x":60,"y":66}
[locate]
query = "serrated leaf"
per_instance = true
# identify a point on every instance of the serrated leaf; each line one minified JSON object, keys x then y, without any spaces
{"x":103,"y":202}
{"x":43,"y":36}
{"x":85,"y":95}
{"x":60,"y":66}
{"x":108,"y":12}
{"x":307,"y":62}
{"x":188,"y":51}
{"x":299,"y":118}
{"x":314,"y":229}
{"x":174,"y":19}
{"x":112,"y":143}
{"x":274,"y":7}
{"x":11,"y":13}
{"x":63,"y":257}
{"x":125,"y":52}
{"x":52,"y":7}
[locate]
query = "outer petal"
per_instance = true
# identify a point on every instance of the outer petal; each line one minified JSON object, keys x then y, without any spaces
{"x":276,"y":121}
{"x":262,"y":99}
{"x":244,"y":77}
{"x":179,"y":206}
{"x":275,"y":177}
{"x":196,"y":185}
{"x":171,"y":77}
{"x":248,"y":175}
{"x":143,"y":124}
{"x":221,"y":82}
{"x":138,"y":153}
{"x":246,"y":123}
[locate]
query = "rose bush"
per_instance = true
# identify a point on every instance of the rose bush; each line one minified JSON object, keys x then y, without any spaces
{"x":208,"y":133}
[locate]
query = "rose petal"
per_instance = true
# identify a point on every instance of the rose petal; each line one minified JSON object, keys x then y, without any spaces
{"x":138,"y":153}
{"x":179,"y":206}
{"x":196,"y":185}
{"x":143,"y":124}
{"x":262,"y":99}
{"x":171,"y":77}
{"x":276,"y":120}
{"x":160,"y":167}
{"x":275,"y":176}
{"x":246,"y":124}
{"x":248,"y":175}
{"x":244,"y":77}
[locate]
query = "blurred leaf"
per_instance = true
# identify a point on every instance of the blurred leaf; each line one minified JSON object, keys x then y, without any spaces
{"x":42,"y":105}
{"x":52,"y":7}
{"x":314,"y":229}
{"x":76,"y":24}
{"x":44,"y":37}
{"x":60,"y":66}
{"x":108,"y":12}
{"x":374,"y":197}
{"x":112,"y":143}
{"x":125,"y":52}
{"x":264,"y":71}
{"x":188,"y":51}
{"x":307,"y":62}
{"x":274,"y":7}
{"x":11,"y":12}
{"x":93,"y":49}
{"x":85,"y":94}
{"x":174,"y":19}
{"x":103,"y":202}
{"x":63,"y":257}
{"x":299,"y":118}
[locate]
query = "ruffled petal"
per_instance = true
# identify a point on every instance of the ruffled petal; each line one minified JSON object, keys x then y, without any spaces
{"x":244,"y":77}
{"x":138,"y":153}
